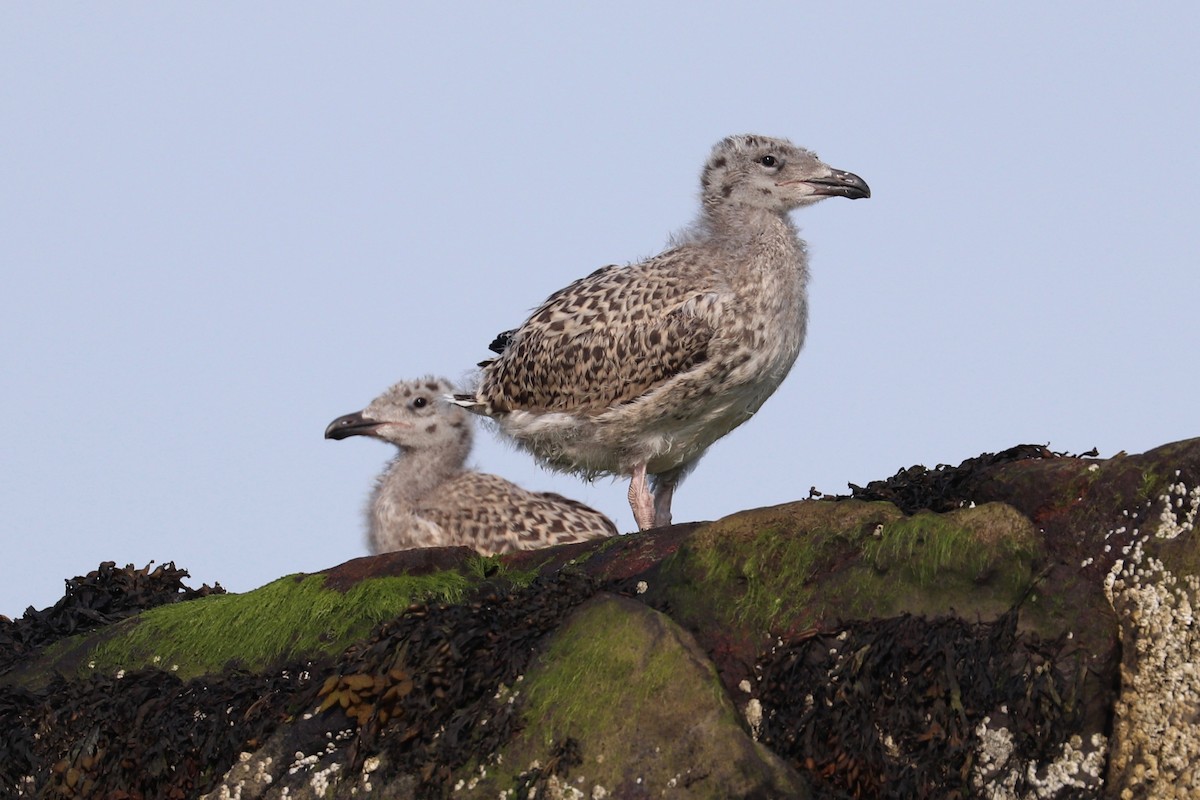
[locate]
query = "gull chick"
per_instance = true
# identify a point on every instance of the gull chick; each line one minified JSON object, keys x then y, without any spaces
{"x":427,"y":497}
{"x":636,"y":370}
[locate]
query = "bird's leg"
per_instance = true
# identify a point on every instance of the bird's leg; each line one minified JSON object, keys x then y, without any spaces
{"x":662,"y":502}
{"x":640,"y":499}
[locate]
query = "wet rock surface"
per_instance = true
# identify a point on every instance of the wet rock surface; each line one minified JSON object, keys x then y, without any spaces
{"x":1018,"y":626}
{"x":890,"y":707}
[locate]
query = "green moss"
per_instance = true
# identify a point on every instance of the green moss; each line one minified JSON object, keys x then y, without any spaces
{"x":614,"y":541}
{"x":774,"y":572}
{"x":973,"y":561}
{"x":293,"y":617}
{"x":603,"y":547}
{"x":495,"y":568}
{"x":926,"y":546}
{"x":1151,"y":487}
{"x":758,"y":569}
{"x":587,"y":686}
{"x":792,"y":566}
{"x":482,"y":567}
{"x":641,"y":700}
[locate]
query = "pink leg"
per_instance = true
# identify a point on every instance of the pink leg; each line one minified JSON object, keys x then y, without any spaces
{"x":662,"y":504}
{"x":640,"y":499}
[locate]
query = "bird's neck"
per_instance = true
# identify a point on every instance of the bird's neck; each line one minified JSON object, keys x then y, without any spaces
{"x":415,"y":473}
{"x":743,"y":226}
{"x":769,"y":239}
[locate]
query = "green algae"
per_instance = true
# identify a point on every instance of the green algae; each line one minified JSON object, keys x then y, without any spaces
{"x":760,"y":569}
{"x":587,"y":682}
{"x":495,"y":568}
{"x":292,"y":618}
{"x":775,"y":573}
{"x":1151,"y":487}
{"x":974,"y":562}
{"x":642,"y":701}
{"x":792,"y":566}
{"x":970,"y":543}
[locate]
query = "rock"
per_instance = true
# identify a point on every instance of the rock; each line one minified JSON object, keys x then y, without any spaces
{"x":623,"y":703}
{"x":1019,"y":626}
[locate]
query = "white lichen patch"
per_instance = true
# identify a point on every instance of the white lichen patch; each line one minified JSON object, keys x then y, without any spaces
{"x":1156,"y":736}
{"x":754,"y":717}
{"x":323,"y":779}
{"x":1170,"y":526}
{"x":1076,"y":767}
{"x":308,"y":763}
{"x":249,"y":776}
{"x":558,"y":789}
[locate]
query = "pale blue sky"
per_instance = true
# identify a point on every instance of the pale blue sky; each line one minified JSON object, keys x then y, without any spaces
{"x":224,"y":224}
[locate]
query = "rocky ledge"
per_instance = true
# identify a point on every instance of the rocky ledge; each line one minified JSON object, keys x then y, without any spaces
{"x":1018,"y":626}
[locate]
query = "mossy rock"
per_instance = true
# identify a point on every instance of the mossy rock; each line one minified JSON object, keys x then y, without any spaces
{"x":290,"y":619}
{"x":798,"y":565}
{"x":976,"y":562}
{"x":757,"y":571}
{"x":623,"y":699}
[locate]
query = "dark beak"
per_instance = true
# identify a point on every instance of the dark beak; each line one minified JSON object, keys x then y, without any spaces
{"x":842,"y":184}
{"x":351,"y":425}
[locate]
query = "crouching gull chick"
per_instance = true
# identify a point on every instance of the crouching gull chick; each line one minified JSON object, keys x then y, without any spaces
{"x":427,"y":497}
{"x":636,"y":370}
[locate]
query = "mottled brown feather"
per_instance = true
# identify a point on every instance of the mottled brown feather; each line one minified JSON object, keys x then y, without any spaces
{"x":494,"y":515}
{"x":605,"y":339}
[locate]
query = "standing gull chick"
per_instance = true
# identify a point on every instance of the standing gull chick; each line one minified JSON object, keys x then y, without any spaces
{"x":427,"y":497}
{"x":636,"y":370}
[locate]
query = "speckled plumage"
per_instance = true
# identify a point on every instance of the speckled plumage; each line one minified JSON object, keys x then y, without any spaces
{"x":636,"y":370}
{"x":428,"y":498}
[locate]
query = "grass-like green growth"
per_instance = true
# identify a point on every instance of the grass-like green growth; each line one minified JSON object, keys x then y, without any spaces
{"x":774,"y":572}
{"x":973,"y":562}
{"x":758,"y":569}
{"x":793,"y":566}
{"x":926,"y":547}
{"x":291,"y":618}
{"x":1151,"y":487}
{"x":634,"y":690}
{"x":494,"y":568}
{"x":585,"y":684}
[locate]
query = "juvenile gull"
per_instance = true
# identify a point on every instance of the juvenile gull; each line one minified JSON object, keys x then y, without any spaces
{"x":427,"y":497}
{"x":636,"y":370}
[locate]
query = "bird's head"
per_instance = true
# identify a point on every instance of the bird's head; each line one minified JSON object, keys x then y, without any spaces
{"x":412,"y":415}
{"x":759,"y":172}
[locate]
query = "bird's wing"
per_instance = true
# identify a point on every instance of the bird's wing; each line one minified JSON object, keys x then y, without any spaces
{"x":493,"y":515}
{"x":607,"y":339}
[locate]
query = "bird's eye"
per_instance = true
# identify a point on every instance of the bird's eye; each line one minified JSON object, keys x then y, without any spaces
{"x":419,"y":402}
{"x":767,"y":161}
